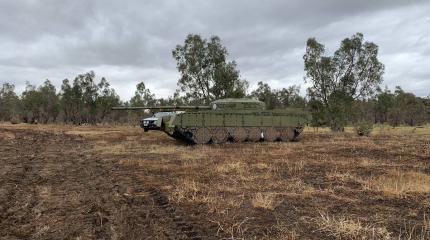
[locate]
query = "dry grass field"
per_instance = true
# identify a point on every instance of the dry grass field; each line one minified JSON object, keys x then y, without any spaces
{"x":106,"y":182}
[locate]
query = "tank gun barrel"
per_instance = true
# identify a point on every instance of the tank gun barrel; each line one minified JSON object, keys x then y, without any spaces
{"x":163,"y":108}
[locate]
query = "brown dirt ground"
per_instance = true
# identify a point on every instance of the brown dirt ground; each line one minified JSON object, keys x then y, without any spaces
{"x":107,"y":182}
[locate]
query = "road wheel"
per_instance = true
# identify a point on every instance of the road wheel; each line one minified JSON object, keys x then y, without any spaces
{"x":238,"y":134}
{"x":270,"y":134}
{"x":219,"y":135}
{"x":201,"y":135}
{"x":287,"y":134}
{"x":254,"y":134}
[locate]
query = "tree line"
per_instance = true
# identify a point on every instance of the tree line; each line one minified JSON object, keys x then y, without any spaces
{"x":344,"y":89}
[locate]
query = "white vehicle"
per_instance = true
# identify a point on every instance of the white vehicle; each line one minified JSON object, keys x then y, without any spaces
{"x":154,"y":122}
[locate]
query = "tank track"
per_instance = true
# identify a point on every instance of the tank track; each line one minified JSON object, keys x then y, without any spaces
{"x":204,"y":135}
{"x":182,"y":226}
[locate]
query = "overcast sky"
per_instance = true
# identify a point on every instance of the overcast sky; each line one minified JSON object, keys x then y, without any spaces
{"x":131,"y":41}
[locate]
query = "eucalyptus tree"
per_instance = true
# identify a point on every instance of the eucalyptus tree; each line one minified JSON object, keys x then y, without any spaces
{"x":353,"y":72}
{"x":142,"y":96}
{"x":40,"y":104}
{"x":9,"y":103}
{"x":206,"y":74}
{"x":279,"y":98}
{"x":107,"y":98}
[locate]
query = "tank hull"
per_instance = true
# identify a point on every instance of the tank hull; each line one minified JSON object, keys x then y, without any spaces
{"x":219,"y":127}
{"x":231,"y":119}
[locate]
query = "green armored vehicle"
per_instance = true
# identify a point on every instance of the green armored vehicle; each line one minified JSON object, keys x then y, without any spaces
{"x":224,"y":120}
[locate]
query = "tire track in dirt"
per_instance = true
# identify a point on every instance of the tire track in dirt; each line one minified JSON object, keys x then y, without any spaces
{"x":176,"y":223}
{"x":53,"y":186}
{"x":183,"y":227}
{"x":18,"y":203}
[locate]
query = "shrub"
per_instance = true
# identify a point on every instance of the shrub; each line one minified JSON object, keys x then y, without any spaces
{"x":15,"y":120}
{"x":363,"y":129}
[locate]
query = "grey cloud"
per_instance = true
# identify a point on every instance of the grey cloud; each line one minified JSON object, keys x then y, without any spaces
{"x":29,"y":19}
{"x":131,"y":41}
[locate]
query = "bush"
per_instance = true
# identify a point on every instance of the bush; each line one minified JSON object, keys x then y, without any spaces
{"x":363,"y":129}
{"x":15,"y":120}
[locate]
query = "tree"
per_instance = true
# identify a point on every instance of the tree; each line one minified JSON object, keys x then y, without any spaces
{"x":40,"y":104}
{"x":9,"y":103}
{"x":31,"y":101}
{"x":384,"y":103}
{"x":89,"y":93}
{"x":265,"y":94}
{"x":273,"y":98}
{"x":426,"y":102}
{"x":290,"y":97}
{"x":353,"y":72}
{"x":176,"y":99}
{"x":50,"y":105}
{"x":319,"y":117}
{"x":205,"y":72}
{"x":107,"y":98}
{"x":142,"y":96}
{"x":407,"y":109}
{"x":65,"y":100}
{"x":79,"y":100}
{"x":227,"y":82}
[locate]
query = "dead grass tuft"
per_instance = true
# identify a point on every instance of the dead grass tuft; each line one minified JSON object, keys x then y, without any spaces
{"x":114,"y":149}
{"x":336,"y":175}
{"x":399,"y":183}
{"x":295,"y":168}
{"x":234,"y":228}
{"x":298,"y":186}
{"x":416,"y":231}
{"x":426,"y":223}
{"x":7,"y":136}
{"x":284,"y":232}
{"x":264,"y":201}
{"x":344,"y":227}
{"x":185,"y":190}
{"x":233,"y":167}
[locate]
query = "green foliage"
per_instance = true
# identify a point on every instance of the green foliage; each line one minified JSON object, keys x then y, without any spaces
{"x":317,"y":109}
{"x":79,"y":99}
{"x":9,"y":102}
{"x":290,"y":97}
{"x":205,"y":72}
{"x":407,"y":109}
{"x":86,"y":101}
{"x":41,"y":104}
{"x":82,"y":101}
{"x":400,"y":107}
{"x":384,"y":103}
{"x":176,"y":99}
{"x":70,"y":99}
{"x":50,"y":107}
{"x":352,"y":73}
{"x":107,"y":98}
{"x":273,"y":98}
{"x":227,"y":82}
{"x":265,"y":94}
{"x":142,"y":96}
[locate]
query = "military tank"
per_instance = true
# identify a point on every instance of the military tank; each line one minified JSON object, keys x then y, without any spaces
{"x":235,"y":120}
